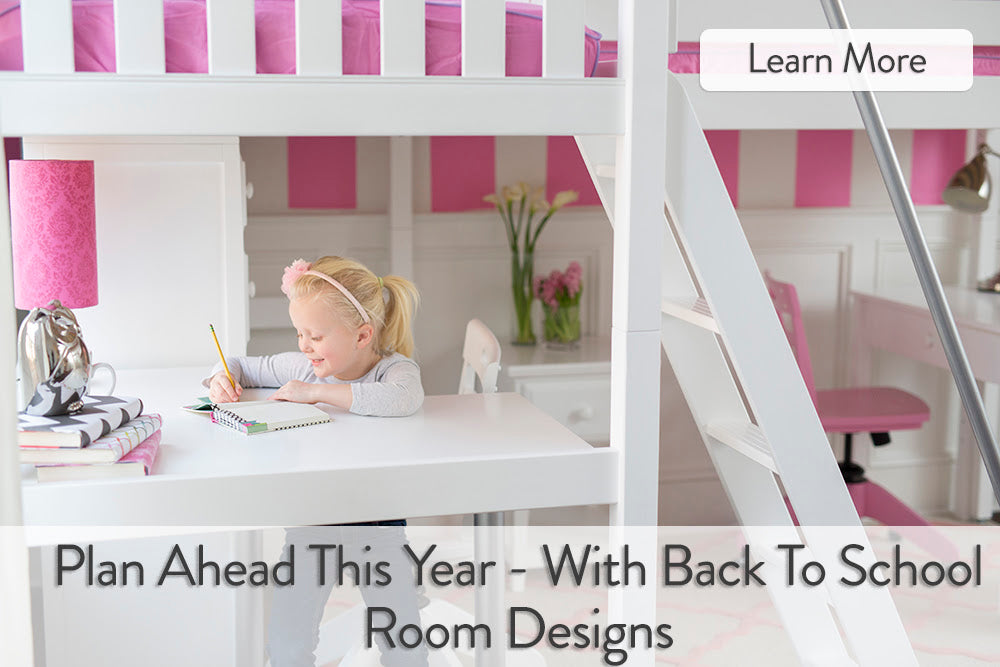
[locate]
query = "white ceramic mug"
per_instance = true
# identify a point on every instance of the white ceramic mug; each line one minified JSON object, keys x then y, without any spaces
{"x":114,"y":379}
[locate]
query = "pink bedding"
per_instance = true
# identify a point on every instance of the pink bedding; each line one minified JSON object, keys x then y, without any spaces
{"x":186,"y":38}
{"x":687,"y":59}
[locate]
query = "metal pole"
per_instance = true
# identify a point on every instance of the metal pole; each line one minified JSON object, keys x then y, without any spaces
{"x":878,"y":135}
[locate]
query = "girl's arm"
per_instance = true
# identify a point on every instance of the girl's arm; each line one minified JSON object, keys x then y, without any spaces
{"x":269,"y":371}
{"x":297,"y":391}
{"x":397,"y":393}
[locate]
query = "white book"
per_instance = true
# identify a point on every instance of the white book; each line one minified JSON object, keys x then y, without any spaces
{"x":106,"y":449}
{"x":97,"y":418}
{"x":253,"y":417}
{"x":135,"y":463}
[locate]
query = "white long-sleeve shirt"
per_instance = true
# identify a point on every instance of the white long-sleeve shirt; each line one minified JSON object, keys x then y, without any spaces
{"x":390,"y":389}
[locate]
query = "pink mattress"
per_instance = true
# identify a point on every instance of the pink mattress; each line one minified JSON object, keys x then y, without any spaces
{"x":687,"y":59}
{"x":186,"y":37}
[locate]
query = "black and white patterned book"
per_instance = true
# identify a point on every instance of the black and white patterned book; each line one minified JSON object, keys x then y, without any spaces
{"x":98,"y":417}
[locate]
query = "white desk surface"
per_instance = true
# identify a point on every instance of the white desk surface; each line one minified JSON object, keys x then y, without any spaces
{"x":458,"y":454}
{"x":969,"y":306}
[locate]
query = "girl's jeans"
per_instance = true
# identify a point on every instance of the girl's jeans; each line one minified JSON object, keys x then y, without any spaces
{"x":296,"y":611}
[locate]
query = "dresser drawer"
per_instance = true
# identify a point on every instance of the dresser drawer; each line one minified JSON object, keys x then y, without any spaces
{"x":580,"y":402}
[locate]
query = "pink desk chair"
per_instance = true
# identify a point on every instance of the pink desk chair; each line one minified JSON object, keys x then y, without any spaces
{"x":875,"y":410}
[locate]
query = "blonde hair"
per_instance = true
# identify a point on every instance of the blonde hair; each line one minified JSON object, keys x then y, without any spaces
{"x":391,"y":316}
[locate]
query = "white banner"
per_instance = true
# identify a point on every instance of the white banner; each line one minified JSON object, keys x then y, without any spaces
{"x":836,"y":60}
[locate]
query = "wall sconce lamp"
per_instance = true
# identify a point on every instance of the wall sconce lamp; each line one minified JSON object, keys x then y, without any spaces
{"x":969,"y":191}
{"x":54,"y":241}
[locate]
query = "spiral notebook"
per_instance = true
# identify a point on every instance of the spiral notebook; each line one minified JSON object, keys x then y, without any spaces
{"x":252,"y":417}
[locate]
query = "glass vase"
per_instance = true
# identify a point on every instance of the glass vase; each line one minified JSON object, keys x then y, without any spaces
{"x":522,"y":272}
{"x":562,"y":326}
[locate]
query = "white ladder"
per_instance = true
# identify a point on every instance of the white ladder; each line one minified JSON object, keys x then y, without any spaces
{"x":723,"y":339}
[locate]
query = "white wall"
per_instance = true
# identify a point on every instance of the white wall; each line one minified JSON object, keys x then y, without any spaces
{"x":169,"y":247}
{"x":461,"y":267}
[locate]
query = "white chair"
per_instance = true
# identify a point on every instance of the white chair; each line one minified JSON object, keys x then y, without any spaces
{"x":480,"y":359}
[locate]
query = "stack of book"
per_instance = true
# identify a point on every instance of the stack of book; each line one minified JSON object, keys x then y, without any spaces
{"x":109,"y":437}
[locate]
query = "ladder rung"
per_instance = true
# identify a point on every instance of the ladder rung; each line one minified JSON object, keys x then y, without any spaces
{"x":745,"y":438}
{"x":693,"y":310}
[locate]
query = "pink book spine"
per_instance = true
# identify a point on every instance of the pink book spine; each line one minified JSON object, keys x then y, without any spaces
{"x":145,"y":453}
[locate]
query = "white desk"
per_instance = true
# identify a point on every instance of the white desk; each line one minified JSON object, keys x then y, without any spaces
{"x":457,"y":455}
{"x":899,"y":321}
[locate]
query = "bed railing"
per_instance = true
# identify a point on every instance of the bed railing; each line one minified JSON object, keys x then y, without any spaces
{"x":47,"y":35}
{"x":230,"y":98}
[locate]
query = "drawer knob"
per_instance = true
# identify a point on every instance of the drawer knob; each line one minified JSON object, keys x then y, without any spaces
{"x":582,"y":413}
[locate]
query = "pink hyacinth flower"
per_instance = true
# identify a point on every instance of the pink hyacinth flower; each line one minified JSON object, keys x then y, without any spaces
{"x":547,"y":292}
{"x":572,"y":284}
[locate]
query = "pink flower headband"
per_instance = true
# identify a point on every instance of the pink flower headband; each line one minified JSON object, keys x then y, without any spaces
{"x":301,"y":267}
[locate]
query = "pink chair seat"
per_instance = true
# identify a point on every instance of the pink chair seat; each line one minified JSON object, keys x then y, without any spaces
{"x":870,"y":409}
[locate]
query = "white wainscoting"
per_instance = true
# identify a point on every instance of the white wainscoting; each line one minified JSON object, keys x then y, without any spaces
{"x":462,"y":269}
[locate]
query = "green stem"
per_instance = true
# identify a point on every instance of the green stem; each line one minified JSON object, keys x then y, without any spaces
{"x":520,"y":217}
{"x":538,"y":230}
{"x":522,"y":276}
{"x":562,"y":323}
{"x":509,"y":228}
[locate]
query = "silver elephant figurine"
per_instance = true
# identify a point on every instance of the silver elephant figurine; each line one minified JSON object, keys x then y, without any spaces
{"x":53,"y":364}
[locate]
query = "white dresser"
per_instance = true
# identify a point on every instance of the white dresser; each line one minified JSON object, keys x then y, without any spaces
{"x":574,"y":386}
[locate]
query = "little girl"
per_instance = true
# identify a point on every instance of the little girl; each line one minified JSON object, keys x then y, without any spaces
{"x":355,"y":342}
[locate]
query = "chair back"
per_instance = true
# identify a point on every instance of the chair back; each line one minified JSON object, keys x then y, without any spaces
{"x":786,"y":302}
{"x":480,"y":358}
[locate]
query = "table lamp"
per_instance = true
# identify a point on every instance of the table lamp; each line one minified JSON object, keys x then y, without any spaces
{"x":54,"y":242}
{"x":969,"y":191}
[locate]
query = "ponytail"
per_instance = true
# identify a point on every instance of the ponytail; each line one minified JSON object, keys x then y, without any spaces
{"x":400,"y":307}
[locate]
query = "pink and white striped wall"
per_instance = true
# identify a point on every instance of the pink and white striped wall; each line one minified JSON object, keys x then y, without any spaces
{"x":761,"y":169}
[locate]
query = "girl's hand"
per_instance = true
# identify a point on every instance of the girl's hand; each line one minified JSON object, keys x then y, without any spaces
{"x":296,"y":391}
{"x":221,"y":391}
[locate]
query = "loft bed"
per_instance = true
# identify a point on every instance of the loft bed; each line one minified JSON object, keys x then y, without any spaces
{"x":308,"y":101}
{"x":140,"y":116}
{"x":162,"y":137}
{"x":142,"y":109}
{"x":272,"y":25}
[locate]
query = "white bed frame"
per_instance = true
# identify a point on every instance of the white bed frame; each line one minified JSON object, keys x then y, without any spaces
{"x":49,"y":100}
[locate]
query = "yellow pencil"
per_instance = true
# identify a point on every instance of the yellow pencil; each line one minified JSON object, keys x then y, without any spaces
{"x":222,"y":356}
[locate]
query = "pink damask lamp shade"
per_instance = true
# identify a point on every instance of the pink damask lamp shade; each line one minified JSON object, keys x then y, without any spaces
{"x":53,"y":232}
